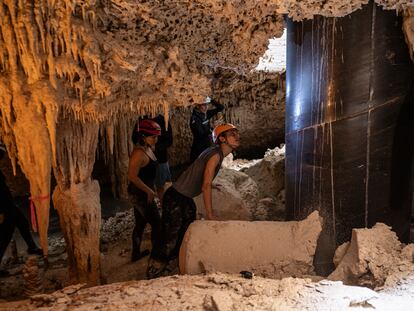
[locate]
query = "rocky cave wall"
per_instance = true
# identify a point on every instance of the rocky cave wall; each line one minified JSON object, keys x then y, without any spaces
{"x":255,"y":103}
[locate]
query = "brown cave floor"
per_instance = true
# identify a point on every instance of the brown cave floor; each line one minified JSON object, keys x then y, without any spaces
{"x":115,"y":261}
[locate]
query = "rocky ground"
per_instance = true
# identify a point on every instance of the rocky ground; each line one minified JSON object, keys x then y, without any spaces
{"x":223,"y":292}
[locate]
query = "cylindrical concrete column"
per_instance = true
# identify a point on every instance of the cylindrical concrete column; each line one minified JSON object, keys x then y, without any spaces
{"x":349,"y":88}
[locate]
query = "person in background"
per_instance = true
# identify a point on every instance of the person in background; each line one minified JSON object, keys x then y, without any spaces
{"x":141,"y":176}
{"x":200,"y":126}
{"x":179,"y":209}
{"x":10,"y":218}
{"x":165,"y":140}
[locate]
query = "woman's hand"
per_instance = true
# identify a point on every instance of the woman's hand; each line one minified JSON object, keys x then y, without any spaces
{"x":150,"y":196}
{"x":211,"y":217}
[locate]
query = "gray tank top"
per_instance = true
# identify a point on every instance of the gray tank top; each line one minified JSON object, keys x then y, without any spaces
{"x":190,"y":182}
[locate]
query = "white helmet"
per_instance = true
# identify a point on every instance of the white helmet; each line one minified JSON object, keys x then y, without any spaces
{"x":207,"y":100}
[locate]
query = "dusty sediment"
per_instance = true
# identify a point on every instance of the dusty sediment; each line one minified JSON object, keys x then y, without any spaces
{"x":371,"y":257}
{"x":218,"y":291}
{"x":390,"y":260}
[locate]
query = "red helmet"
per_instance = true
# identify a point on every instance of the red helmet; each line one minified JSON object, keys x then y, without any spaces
{"x":148,"y":127}
{"x":220,"y":129}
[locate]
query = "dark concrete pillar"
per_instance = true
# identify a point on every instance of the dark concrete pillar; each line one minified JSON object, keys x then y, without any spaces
{"x":349,"y":132}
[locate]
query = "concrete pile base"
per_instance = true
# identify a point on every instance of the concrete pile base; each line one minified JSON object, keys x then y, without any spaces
{"x":271,"y":249}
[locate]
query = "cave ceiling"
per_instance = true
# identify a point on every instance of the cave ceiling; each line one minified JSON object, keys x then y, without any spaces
{"x":99,"y":58}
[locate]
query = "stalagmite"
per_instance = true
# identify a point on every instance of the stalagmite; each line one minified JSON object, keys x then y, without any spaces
{"x":33,"y":281}
{"x":76,"y":198}
{"x":118,"y":159}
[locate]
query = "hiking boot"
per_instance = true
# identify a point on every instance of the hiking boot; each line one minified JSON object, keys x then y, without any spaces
{"x":156,"y":268}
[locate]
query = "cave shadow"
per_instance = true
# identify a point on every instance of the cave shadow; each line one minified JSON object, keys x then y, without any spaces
{"x":401,"y":186}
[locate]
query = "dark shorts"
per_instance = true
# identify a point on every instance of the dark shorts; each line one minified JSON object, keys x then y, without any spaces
{"x":163,"y":174}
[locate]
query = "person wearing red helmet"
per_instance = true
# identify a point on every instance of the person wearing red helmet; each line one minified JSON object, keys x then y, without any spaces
{"x":178,"y":207}
{"x":141,"y":176}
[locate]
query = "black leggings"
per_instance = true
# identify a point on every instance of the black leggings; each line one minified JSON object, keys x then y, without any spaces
{"x":144,"y":213}
{"x":178,"y":212}
{"x":13,"y":218}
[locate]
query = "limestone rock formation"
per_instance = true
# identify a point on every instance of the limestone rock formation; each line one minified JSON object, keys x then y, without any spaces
{"x":249,"y":190}
{"x":269,"y":172}
{"x":271,"y":249}
{"x":76,"y":198}
{"x":372,"y":256}
{"x":254,"y":102}
{"x":33,"y":281}
{"x":267,"y":175}
{"x":408,"y":27}
{"x":216,"y":291}
{"x":234,"y":196}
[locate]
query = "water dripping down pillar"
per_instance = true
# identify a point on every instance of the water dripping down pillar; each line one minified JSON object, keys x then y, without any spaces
{"x":349,"y":137}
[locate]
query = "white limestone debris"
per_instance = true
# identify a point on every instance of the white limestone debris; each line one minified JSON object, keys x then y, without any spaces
{"x":218,"y":291}
{"x":92,"y":61}
{"x":271,"y":249}
{"x":234,"y":196}
{"x":249,"y":190}
{"x":117,"y":228}
{"x":372,"y":257}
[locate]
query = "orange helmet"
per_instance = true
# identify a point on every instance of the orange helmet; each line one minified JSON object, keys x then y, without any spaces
{"x":220,"y":129}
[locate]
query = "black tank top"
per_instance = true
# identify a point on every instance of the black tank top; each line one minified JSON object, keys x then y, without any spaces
{"x":147,"y":175}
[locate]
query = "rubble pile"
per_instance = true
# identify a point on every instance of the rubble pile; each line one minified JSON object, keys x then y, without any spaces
{"x":249,"y":190}
{"x":118,"y":227}
{"x":219,"y":292}
{"x":373,"y":258}
{"x":234,"y":196}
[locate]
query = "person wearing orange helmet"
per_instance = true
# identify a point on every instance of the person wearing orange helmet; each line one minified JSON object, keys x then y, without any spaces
{"x":178,"y":208}
{"x":141,"y":176}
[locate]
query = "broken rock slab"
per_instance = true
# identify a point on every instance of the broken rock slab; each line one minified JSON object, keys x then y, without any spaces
{"x":271,"y":249}
{"x":234,"y":196}
{"x":269,"y":172}
{"x":370,"y":257}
